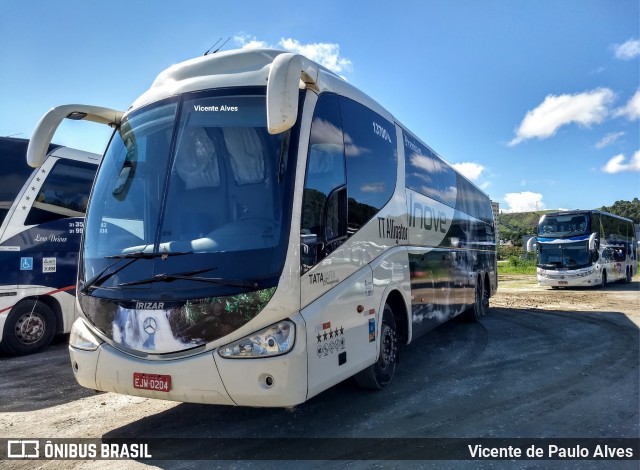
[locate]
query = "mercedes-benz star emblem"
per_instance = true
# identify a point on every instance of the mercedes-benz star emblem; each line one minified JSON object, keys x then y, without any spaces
{"x":149,"y":325}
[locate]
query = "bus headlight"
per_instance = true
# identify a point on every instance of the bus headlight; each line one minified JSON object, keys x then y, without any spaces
{"x":272,"y":341}
{"x":82,"y":338}
{"x":586,"y":273}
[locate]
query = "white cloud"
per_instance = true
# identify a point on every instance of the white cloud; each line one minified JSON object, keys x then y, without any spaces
{"x":471,"y":170}
{"x":608,"y":139}
{"x":627,"y":50}
{"x":249,"y":42}
{"x":324,"y":53}
{"x":525,"y":201}
{"x":586,"y":108}
{"x":377,"y":187}
{"x":617,"y":164}
{"x":327,"y":54}
{"x":431,"y":165}
{"x":632,"y":109}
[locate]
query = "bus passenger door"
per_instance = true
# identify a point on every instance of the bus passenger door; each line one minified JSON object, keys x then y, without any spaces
{"x":341,"y":325}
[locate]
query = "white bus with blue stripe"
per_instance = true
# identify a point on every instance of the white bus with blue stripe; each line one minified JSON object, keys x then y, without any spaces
{"x":585,"y":248}
{"x":41,"y":223}
{"x":260,"y":230}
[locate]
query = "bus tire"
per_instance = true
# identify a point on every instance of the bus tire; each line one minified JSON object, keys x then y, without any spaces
{"x":30,"y":327}
{"x":480,"y":303}
{"x":603,"y":283}
{"x":629,"y":276}
{"x":379,"y":375}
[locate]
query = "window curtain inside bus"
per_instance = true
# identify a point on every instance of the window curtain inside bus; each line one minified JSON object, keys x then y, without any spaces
{"x":245,"y":149}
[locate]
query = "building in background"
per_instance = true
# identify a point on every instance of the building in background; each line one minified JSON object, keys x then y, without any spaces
{"x":495,"y":207}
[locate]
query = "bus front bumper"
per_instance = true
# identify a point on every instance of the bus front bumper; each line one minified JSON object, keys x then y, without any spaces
{"x":279,"y":381}
{"x":577,"y":278}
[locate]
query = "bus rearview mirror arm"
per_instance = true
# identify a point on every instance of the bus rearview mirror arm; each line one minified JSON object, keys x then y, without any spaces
{"x":43,"y":133}
{"x":593,"y":243}
{"x":289,"y":74}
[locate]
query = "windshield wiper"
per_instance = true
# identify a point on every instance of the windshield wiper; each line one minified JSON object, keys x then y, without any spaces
{"x":101,"y":277}
{"x":191,"y":276}
{"x":149,"y":255}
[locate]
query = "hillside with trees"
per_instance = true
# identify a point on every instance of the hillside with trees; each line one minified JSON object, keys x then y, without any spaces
{"x":628,"y":209}
{"x":513,"y":226}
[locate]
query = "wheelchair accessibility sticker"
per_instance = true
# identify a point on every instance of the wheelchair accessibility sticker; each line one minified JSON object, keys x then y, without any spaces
{"x":26,"y":264}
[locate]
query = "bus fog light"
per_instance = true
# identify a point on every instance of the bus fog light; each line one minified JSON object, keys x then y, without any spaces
{"x":272,"y":341}
{"x":82,"y":338}
{"x":266,"y":381}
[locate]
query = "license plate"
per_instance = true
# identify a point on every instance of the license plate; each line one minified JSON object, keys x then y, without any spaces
{"x":156,"y":382}
{"x":563,"y":283}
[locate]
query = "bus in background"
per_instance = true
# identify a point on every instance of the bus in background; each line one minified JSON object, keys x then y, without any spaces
{"x":585,"y":248}
{"x":260,"y":230}
{"x":41,"y":224}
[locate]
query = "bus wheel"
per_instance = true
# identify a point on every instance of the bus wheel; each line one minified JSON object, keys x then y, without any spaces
{"x":628,"y":278}
{"x":603,"y":283}
{"x":29,"y":328}
{"x":480,"y":303}
{"x":379,"y":375}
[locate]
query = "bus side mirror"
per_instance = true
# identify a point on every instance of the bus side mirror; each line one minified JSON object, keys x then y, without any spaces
{"x":288,"y":74}
{"x":43,"y":133}
{"x":593,"y":243}
{"x":531,"y":243}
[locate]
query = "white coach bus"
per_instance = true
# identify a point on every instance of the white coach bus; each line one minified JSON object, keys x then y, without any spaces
{"x":260,"y":230}
{"x":585,"y":248}
{"x":41,"y":223}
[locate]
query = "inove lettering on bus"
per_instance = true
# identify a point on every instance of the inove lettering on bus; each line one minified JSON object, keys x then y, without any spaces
{"x":427,"y":216}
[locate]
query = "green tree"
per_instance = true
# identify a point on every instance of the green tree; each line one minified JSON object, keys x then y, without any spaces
{"x":628,"y":209}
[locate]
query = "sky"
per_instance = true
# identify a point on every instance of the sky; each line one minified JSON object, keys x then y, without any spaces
{"x":537,"y":102}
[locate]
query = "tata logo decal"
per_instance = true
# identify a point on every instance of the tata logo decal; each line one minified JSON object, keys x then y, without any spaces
{"x":326,"y":279}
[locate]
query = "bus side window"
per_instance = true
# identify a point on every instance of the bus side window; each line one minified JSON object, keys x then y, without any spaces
{"x":65,"y":192}
{"x":325,"y":174}
{"x":371,"y":158}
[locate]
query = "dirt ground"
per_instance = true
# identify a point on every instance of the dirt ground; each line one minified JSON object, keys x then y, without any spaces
{"x":544,"y":363}
{"x":523,"y":292}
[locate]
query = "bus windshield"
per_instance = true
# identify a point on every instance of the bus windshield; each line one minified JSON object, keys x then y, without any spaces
{"x":564,"y":255}
{"x":563,"y":226}
{"x":196,"y":175}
